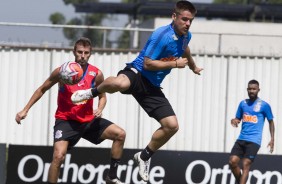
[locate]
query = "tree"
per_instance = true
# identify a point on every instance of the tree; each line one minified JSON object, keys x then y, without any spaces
{"x":73,"y":34}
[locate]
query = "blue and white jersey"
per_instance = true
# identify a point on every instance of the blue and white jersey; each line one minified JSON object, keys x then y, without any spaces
{"x":164,"y":44}
{"x":253,"y":115}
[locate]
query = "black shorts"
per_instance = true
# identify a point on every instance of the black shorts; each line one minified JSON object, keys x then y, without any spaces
{"x":149,"y":97}
{"x":245,"y":149}
{"x":72,"y":131}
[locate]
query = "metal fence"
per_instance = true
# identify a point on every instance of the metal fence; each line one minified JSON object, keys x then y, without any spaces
{"x":220,"y":41}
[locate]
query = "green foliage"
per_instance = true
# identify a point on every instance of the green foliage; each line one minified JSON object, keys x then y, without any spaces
{"x":72,"y":34}
{"x":124,"y":40}
{"x":57,"y":18}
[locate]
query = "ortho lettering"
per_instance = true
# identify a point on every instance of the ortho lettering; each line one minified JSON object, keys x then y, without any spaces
{"x":21,"y":167}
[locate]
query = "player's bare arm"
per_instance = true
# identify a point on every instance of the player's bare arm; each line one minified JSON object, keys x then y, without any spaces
{"x":235,"y":122}
{"x":53,"y":79}
{"x":153,"y":65}
{"x":191,"y":62}
{"x":102,"y":97}
{"x":271,"y":130}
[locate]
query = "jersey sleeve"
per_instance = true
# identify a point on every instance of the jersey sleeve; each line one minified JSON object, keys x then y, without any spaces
{"x":239,"y":113}
{"x":156,"y":46}
{"x":268,"y":112}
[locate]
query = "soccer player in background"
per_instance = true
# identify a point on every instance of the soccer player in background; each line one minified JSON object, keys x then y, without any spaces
{"x":252,"y":112}
{"x":166,"y":49}
{"x":76,"y":121}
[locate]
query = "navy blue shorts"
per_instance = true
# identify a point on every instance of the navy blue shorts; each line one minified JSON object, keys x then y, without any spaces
{"x":149,"y":97}
{"x":73,"y":131}
{"x":245,"y":149}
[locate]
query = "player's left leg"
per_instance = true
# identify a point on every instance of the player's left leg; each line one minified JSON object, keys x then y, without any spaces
{"x":251,"y":150}
{"x":246,"y":165}
{"x":158,"y":107}
{"x":169,"y":126}
{"x":117,"y":135}
{"x":99,"y":130}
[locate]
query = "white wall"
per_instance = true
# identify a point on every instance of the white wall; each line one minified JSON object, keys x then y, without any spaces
{"x":204,"y":104}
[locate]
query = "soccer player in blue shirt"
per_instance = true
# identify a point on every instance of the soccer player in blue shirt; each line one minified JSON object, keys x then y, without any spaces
{"x":252,"y":112}
{"x":167,"y":48}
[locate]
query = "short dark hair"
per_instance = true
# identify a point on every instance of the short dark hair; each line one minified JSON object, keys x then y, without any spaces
{"x":184,"y":5}
{"x":83,"y":41}
{"x":253,"y":82}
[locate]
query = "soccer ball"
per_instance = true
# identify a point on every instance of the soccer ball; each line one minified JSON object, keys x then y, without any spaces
{"x":71,"y":73}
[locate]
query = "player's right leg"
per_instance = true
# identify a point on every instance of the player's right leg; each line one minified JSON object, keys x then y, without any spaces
{"x":114,"y":84}
{"x":60,"y":150}
{"x":109,"y":85}
{"x":64,"y":133}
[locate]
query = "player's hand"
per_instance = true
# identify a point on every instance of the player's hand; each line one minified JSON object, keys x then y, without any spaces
{"x":181,"y":62}
{"x":97,"y":113}
{"x":235,"y":122}
{"x":20,"y":115}
{"x":271,"y":145}
{"x":197,"y":70}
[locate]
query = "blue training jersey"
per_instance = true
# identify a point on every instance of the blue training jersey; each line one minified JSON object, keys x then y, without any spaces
{"x":253,"y":115}
{"x":164,"y":44}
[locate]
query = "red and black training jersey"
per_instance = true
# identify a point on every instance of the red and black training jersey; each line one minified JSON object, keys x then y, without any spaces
{"x":84,"y":111}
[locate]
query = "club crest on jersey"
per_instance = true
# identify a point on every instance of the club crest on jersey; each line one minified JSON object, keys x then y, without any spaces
{"x":257,"y":107}
{"x":92,"y":73}
{"x":174,"y":37}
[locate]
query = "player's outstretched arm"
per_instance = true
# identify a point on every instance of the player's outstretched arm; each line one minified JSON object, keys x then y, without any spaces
{"x":153,"y":65}
{"x":53,"y":79}
{"x":191,"y":62}
{"x":271,"y":130}
{"x":102,"y":97}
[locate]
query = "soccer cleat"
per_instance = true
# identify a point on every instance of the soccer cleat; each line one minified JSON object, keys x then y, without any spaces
{"x":144,"y":166}
{"x":112,"y":181}
{"x":81,"y":95}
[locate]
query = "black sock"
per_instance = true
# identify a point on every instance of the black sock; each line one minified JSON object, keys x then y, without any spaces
{"x":146,"y":154}
{"x":113,"y":168}
{"x":95,"y":92}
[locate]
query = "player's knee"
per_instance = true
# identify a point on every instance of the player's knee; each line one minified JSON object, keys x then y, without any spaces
{"x":173,"y":127}
{"x":246,"y":164}
{"x":170,"y":124}
{"x":232,"y":163}
{"x":120,"y":83}
{"x":121,"y":135}
{"x":58,"y":158}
